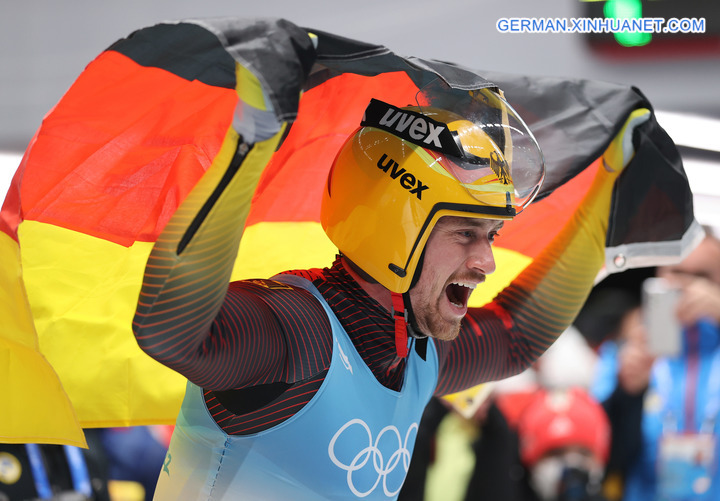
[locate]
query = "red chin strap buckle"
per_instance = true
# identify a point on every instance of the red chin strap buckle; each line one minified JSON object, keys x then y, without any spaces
{"x":400,"y":315}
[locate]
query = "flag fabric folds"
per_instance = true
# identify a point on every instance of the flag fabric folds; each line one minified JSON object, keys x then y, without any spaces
{"x":160,"y":109}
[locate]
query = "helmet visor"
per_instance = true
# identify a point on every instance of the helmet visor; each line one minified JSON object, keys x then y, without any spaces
{"x":495,"y":155}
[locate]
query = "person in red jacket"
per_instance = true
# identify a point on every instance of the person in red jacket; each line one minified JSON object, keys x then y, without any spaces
{"x":564,"y":438}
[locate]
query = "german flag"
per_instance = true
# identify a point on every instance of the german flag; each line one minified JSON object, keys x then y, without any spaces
{"x":159,"y":119}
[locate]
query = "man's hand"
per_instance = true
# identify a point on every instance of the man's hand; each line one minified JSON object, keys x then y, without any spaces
{"x":700,"y":299}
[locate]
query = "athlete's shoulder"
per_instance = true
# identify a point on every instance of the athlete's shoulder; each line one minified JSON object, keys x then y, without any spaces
{"x":269,"y":288}
{"x":267,"y":283}
{"x":289,"y":305}
{"x":313,"y":276}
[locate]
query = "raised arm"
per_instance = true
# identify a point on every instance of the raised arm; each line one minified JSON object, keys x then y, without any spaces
{"x":506,"y":336}
{"x":182,"y":318}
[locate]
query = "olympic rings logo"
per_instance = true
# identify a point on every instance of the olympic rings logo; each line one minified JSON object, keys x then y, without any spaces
{"x":361,"y":462}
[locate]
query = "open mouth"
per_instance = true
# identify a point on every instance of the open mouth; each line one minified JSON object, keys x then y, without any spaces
{"x":458,"y":293}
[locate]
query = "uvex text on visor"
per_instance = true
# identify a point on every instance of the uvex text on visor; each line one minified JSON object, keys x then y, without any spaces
{"x":406,"y":167}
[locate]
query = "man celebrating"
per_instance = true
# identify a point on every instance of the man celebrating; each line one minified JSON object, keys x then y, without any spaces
{"x":311,"y":385}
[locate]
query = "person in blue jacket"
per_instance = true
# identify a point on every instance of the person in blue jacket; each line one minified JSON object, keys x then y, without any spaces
{"x":679,"y":394}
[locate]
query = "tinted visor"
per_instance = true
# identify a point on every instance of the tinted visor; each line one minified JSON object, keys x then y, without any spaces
{"x":473,"y":135}
{"x":498,"y":150}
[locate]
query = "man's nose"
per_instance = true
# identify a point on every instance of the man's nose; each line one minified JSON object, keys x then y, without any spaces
{"x":482,"y":258}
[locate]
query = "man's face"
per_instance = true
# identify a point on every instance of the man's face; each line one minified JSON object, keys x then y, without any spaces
{"x":458,"y":256}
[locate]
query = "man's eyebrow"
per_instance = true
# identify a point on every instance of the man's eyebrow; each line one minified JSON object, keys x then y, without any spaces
{"x":478,"y":222}
{"x":498,"y":223}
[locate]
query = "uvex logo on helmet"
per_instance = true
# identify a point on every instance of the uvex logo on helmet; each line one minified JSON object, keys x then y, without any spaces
{"x":406,"y":179}
{"x":419,"y":128}
{"x":411,"y":126}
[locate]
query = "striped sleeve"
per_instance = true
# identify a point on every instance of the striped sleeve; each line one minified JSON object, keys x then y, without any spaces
{"x":186,"y":277}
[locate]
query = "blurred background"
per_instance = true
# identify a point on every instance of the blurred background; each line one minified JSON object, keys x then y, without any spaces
{"x":45,"y":45}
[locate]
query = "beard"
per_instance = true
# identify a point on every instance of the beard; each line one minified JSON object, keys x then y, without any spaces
{"x":429,"y":301}
{"x":428,"y":321}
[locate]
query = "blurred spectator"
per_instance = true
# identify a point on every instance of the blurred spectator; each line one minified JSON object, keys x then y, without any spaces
{"x":135,"y":457}
{"x":120,"y":464}
{"x":469,"y":447}
{"x":54,"y":472}
{"x":564,"y":444}
{"x":670,"y":403}
{"x":465,"y":450}
{"x":498,"y":473}
{"x":622,"y":379}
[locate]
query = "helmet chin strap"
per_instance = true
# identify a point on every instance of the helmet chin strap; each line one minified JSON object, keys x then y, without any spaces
{"x":402,"y":312}
{"x":404,"y":315}
{"x":401,"y":324}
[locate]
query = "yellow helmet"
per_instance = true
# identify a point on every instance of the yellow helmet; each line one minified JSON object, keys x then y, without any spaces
{"x":462,"y":154}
